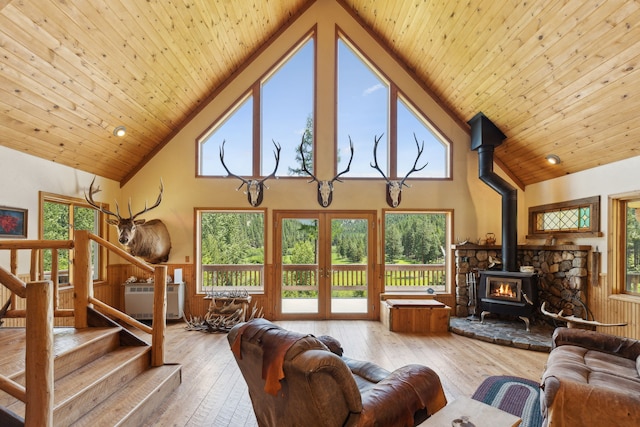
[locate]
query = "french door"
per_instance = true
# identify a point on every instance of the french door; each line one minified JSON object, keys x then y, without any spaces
{"x":324,"y":264}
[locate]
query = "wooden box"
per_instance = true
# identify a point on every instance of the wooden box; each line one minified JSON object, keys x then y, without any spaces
{"x":415,"y":315}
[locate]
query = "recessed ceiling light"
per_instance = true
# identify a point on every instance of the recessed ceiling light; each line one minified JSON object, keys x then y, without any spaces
{"x":553,"y":159}
{"x":120,"y":131}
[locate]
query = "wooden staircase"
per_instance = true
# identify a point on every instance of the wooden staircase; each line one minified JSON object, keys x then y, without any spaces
{"x":103,"y":375}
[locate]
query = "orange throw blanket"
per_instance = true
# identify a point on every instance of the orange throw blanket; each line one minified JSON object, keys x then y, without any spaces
{"x":275,"y":344}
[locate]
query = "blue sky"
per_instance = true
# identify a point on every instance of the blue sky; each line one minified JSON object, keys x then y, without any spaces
{"x":287,"y":101}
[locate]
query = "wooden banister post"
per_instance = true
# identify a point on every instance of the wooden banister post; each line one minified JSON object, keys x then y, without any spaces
{"x":39,"y":355}
{"x":82,"y":281}
{"x":159,"y":315}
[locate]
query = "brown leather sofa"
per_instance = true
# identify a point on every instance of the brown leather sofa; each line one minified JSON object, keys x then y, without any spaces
{"x":591,"y":379}
{"x":295,"y":379}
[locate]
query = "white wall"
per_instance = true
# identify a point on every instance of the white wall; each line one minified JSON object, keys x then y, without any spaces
{"x":604,"y":181}
{"x":23,"y":176}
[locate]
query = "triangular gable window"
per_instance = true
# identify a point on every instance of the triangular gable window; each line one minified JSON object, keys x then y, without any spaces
{"x":278,"y":108}
{"x":364,"y":114}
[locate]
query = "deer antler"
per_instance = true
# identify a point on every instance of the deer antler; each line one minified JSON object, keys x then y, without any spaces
{"x":413,"y":169}
{"x":244,"y":181}
{"x":146,"y":209}
{"x":277,"y":156}
{"x":89,"y":199}
{"x":375,"y":158}
{"x":304,"y":165}
{"x":337,"y":177}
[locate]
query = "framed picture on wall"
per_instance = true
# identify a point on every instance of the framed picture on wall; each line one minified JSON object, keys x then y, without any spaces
{"x":13,"y":222}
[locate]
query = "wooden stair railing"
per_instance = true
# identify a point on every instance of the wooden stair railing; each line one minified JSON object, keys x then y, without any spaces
{"x":37,"y":393}
{"x":84,"y":294}
{"x":41,"y":297}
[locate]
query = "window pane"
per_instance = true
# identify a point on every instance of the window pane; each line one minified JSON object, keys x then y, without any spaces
{"x":231,"y":250}
{"x":585,"y":217}
{"x":363,"y":100}
{"x":87,"y":219}
{"x":287,"y":111}
{"x":632,"y":260}
{"x":414,"y":252}
{"x":237,"y":132}
{"x":56,"y":227}
{"x":435,"y":151}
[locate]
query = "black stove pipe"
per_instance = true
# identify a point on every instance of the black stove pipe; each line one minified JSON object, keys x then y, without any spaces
{"x":485,"y":136}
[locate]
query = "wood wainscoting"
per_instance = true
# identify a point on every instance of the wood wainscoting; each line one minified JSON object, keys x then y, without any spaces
{"x":609,"y":308}
{"x":194,"y":304}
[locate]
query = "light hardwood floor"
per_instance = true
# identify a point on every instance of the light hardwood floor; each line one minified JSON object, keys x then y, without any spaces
{"x":213,"y":392}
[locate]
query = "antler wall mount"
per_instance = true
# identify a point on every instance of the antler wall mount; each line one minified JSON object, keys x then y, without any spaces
{"x":325,"y":187}
{"x":394,"y":188}
{"x":255,"y":187}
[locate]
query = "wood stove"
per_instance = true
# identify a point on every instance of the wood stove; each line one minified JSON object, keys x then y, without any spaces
{"x":507,"y":292}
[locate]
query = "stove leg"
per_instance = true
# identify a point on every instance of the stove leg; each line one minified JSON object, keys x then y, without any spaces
{"x":526,"y":321}
{"x":482,"y":316}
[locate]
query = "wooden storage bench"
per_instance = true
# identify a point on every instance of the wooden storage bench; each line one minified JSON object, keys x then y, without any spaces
{"x":415,"y":315}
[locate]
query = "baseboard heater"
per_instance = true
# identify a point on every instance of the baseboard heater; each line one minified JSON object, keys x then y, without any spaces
{"x":138,"y":300}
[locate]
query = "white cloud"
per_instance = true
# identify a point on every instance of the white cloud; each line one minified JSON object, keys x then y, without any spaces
{"x":370,"y":90}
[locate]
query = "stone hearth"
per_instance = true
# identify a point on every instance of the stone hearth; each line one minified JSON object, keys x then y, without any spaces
{"x":509,"y":333}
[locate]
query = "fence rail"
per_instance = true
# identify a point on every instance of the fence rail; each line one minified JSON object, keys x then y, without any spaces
{"x":305,"y":277}
{"x":412,"y":276}
{"x":236,"y":275}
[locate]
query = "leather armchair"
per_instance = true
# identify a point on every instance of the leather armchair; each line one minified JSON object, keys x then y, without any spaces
{"x":296,"y":380}
{"x":591,"y":379}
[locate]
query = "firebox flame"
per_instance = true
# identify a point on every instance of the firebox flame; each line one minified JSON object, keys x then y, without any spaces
{"x":504,"y":291}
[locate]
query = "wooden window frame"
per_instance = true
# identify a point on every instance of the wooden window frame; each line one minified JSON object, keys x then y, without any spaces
{"x":617,"y":246}
{"x":254,"y":92}
{"x":395,"y":96}
{"x":103,"y":230}
{"x":198,"y":211}
{"x":594,"y":220}
{"x":449,"y":264}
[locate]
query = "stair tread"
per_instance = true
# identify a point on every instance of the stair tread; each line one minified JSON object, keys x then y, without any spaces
{"x":91,"y":374}
{"x":13,"y":343}
{"x":99,"y":378}
{"x":88,"y":374}
{"x":126,"y":400}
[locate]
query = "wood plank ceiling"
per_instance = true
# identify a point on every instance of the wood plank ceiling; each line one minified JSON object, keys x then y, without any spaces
{"x":556,"y":77}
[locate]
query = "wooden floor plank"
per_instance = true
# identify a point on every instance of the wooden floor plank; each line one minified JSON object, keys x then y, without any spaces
{"x":213,"y":391}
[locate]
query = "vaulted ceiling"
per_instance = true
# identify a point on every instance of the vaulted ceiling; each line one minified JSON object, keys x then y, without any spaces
{"x":559,"y":77}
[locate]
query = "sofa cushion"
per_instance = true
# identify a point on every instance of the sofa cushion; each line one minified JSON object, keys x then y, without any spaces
{"x":603,"y":362}
{"x":595,"y":368}
{"x":615,"y":382}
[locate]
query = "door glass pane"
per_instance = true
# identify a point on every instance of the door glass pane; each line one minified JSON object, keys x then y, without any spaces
{"x":299,"y":265}
{"x":348,"y":270}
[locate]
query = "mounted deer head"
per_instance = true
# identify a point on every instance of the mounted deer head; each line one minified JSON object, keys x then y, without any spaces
{"x":255,"y":187}
{"x":148,"y":240}
{"x":325,"y":188}
{"x":394,"y":188}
